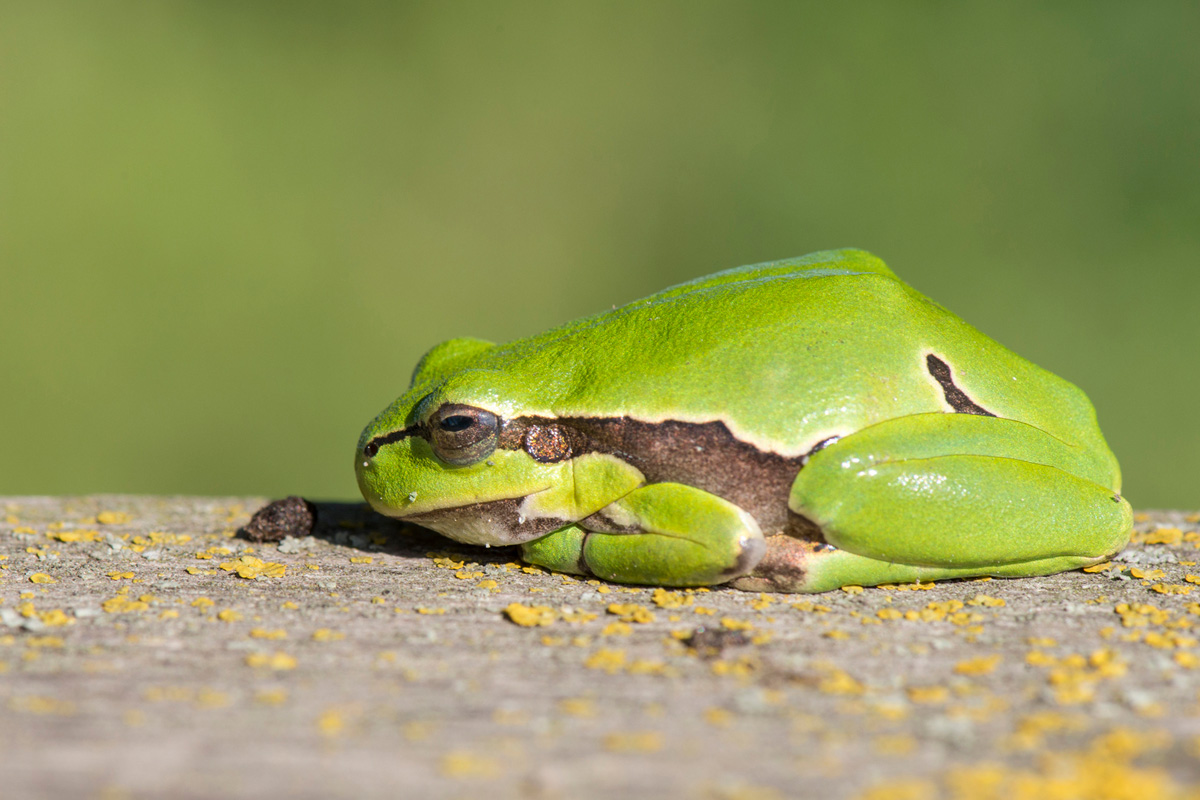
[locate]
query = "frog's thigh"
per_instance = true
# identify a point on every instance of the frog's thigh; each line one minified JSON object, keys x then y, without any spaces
{"x":910,"y":491}
{"x":662,"y":534}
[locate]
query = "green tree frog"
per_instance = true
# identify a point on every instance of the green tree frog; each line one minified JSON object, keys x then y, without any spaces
{"x":793,"y":426}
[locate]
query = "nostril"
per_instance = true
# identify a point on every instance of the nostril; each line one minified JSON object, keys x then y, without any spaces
{"x":370,"y":450}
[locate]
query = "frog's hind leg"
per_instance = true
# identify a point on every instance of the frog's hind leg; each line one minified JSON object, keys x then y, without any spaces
{"x":663,"y":534}
{"x":935,"y":496}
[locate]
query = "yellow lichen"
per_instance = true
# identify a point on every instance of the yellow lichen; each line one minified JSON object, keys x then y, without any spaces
{"x":977,"y":666}
{"x":274,"y":661}
{"x":251,"y":568}
{"x":631,"y":612}
{"x":530,"y":616}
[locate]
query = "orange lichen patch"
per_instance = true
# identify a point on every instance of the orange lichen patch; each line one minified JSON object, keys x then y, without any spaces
{"x":718,"y":717}
{"x":117,"y":575}
{"x":162,"y":539}
{"x":122,"y":604}
{"x":1032,"y":729}
{"x":488,"y":584}
{"x":1105,"y":567}
{"x":649,"y":666}
{"x":928,"y":694}
{"x":113,"y":517}
{"x":836,"y":634}
{"x":445,"y":561}
{"x":1148,"y":574}
{"x":985,"y":600}
{"x":836,"y":681}
{"x":1166,"y":535}
{"x":331,"y":722}
{"x":55,"y":618}
{"x":631,"y":612}
{"x":762,"y":602}
{"x":44,"y":641}
{"x":530,"y":616}
{"x":213,"y":551}
{"x":944,"y":610}
{"x":1167,"y":640}
{"x":805,"y":605}
{"x":610,"y":661}
{"x":1135,"y":615}
{"x":274,"y":661}
{"x":576,"y":616}
{"x":265,"y":633}
{"x":229,"y":615}
{"x":434,"y":611}
{"x":1187,"y":660}
{"x":900,"y":745}
{"x":740,"y":667}
{"x":42,"y":704}
{"x":464,"y":764}
{"x":367,"y":560}
{"x":1073,"y":679}
{"x":617,"y":629}
{"x":271,"y":697}
{"x":327,"y":635}
{"x":977,"y":666}
{"x":251,"y":568}
{"x":731,"y":624}
{"x":41,"y":577}
{"x":69,"y":537}
{"x":464,"y":574}
{"x":889,"y":613}
{"x":634,"y":742}
{"x":664,"y":599}
{"x":1171,"y":588}
{"x":1123,"y":744}
{"x":911,"y":587}
{"x":578,"y":706}
{"x":202,"y":602}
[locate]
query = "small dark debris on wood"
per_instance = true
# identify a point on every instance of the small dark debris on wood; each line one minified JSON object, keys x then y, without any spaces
{"x":711,"y":642}
{"x":292,"y":516}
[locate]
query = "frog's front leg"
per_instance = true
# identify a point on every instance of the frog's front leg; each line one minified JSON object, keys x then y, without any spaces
{"x":664,"y":534}
{"x":934,"y":496}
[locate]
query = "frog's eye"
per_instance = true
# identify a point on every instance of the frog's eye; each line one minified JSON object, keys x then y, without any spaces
{"x":462,"y":435}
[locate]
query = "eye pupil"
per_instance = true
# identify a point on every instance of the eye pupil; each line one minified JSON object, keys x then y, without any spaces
{"x":457,"y":422}
{"x":370,"y":450}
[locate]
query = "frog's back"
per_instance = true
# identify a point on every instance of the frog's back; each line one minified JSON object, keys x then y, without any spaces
{"x":787,"y":354}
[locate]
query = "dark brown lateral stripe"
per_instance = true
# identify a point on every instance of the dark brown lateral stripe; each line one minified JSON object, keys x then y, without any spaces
{"x":705,"y":455}
{"x":955,"y":396}
{"x":700,"y":454}
{"x":379,"y":441}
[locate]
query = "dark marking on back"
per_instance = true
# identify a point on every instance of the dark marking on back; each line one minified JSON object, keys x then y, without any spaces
{"x":955,"y":396}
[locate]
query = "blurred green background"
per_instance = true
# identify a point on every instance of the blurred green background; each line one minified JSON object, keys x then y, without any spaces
{"x":228,"y":230}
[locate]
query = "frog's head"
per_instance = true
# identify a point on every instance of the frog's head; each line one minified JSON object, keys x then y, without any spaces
{"x":459,"y":453}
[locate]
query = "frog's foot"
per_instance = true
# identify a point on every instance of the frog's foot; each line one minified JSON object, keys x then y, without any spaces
{"x":794,"y":565}
{"x":663,"y":534}
{"x":936,"y":496}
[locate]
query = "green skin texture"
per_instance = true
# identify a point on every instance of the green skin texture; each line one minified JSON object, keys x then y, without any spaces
{"x":785,"y":354}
